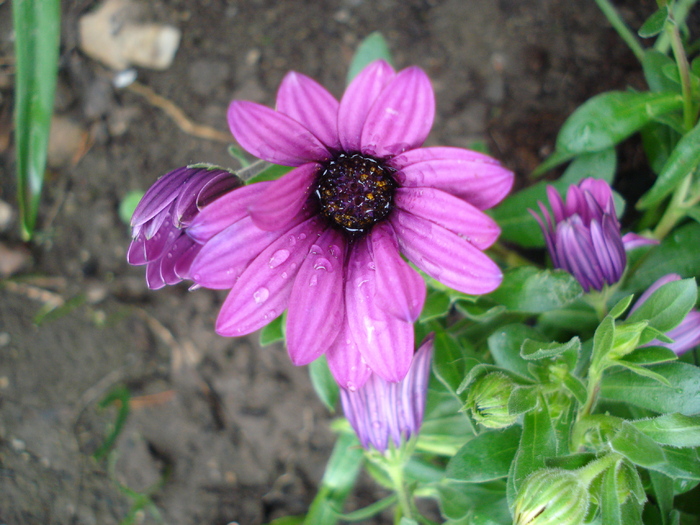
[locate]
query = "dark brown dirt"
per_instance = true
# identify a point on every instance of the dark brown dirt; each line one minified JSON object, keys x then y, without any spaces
{"x":230,"y":431}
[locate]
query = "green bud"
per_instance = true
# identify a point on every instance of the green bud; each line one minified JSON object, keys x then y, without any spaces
{"x":488,"y":400}
{"x":551,"y":497}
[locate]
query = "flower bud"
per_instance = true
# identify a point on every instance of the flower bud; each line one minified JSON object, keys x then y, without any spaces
{"x":488,"y":400}
{"x":551,"y":497}
{"x":626,"y":339}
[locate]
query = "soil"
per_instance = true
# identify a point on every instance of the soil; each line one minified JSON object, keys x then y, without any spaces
{"x":222,"y":430}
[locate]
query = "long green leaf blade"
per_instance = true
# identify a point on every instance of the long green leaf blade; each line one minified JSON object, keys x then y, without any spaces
{"x":37,"y":38}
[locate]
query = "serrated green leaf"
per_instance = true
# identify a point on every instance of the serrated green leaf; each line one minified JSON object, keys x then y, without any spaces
{"x":323,"y":382}
{"x":486,"y":457}
{"x":373,"y":47}
{"x":672,"y":429}
{"x":527,"y":289}
{"x":682,"y":397}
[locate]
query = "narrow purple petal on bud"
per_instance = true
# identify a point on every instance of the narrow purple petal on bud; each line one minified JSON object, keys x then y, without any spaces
{"x":382,"y":412}
{"x":632,"y":241}
{"x":584,"y":238}
{"x":161,"y":219}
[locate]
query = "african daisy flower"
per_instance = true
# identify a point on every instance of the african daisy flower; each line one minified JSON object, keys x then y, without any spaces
{"x":161,"y":217}
{"x":324,"y":241}
{"x":584,"y":236}
{"x":380,"y":411}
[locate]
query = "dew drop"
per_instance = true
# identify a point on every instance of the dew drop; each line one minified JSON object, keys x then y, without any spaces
{"x":351,"y":386}
{"x":278,"y":258}
{"x":301,"y":236}
{"x":371,"y":265}
{"x":334,"y":250}
{"x":170,"y":255}
{"x":314,"y":280}
{"x":284,"y":275}
{"x":315,"y":249}
{"x":261,"y":295}
{"x":323,"y":264}
{"x":292,"y":240}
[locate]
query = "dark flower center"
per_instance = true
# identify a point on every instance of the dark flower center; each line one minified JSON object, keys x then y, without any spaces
{"x":355,"y":192}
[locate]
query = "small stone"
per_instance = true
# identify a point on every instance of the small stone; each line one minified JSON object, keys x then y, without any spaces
{"x":7,"y":215}
{"x":18,"y":445}
{"x":12,"y":260}
{"x":68,"y":142}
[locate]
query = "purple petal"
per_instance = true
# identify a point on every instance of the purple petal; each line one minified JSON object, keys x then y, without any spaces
{"x":357,"y":101}
{"x":384,"y":341}
{"x":449,"y":212}
{"x":273,"y":136}
{"x":310,"y":104}
{"x":262,"y":292}
{"x":576,"y":253}
{"x":686,"y":335}
{"x":218,"y":186}
{"x":225,"y":257}
{"x":345,"y":361}
{"x":154,"y":279}
{"x":401,"y":117}
{"x":284,"y":198}
{"x":601,"y":192}
{"x":474,"y":177}
{"x":316,"y":308}
{"x":175,"y":252}
{"x":444,"y":255}
{"x":557,"y":204}
{"x":137,"y":251}
{"x":400,"y":289}
{"x":632,"y":241}
{"x":608,"y":247}
{"x":185,"y":206}
{"x":225,"y":211}
{"x":163,"y":192}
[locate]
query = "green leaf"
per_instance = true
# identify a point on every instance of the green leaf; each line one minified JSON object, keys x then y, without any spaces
{"x":645,"y":372}
{"x":680,"y":463}
{"x":659,"y":140}
{"x":653,"y":64}
{"x":535,"y":350}
{"x":621,"y":306}
{"x":373,"y":47}
{"x":610,"y":501}
{"x":527,"y":289}
{"x":651,"y":355}
{"x":369,"y":511}
{"x":323,"y":382}
{"x":37,"y":26}
{"x":471,"y":501}
{"x":523,"y":399}
{"x":603,"y":340}
{"x":597,"y":165}
{"x":667,"y":306}
{"x":272,"y":332}
{"x":537,"y":442}
{"x":637,"y":447}
{"x":672,"y":429}
{"x":663,"y":490}
{"x":654,"y":24}
{"x":683,"y":397}
{"x":684,"y":159}
{"x":449,"y":363}
{"x":486,"y":457}
{"x":607,"y":119}
{"x":504,"y":345}
{"x":263,"y":171}
{"x":574,"y":385}
{"x":437,"y":304}
{"x":338,"y":480}
{"x":677,"y":253}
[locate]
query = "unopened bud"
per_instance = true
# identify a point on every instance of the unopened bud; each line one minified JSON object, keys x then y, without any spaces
{"x":488,"y":400}
{"x":626,"y":339}
{"x":551,"y":497}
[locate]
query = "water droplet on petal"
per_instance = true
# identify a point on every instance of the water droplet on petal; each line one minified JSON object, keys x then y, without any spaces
{"x":351,"y":386}
{"x":315,"y":249}
{"x":301,"y":236}
{"x":314,"y":280}
{"x":323,"y":264}
{"x":284,"y":275}
{"x":292,"y":240}
{"x":334,"y":250}
{"x":278,"y":258}
{"x":371,"y":265}
{"x":261,"y":295}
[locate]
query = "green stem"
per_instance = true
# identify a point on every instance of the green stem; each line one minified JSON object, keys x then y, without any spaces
{"x":594,"y":378}
{"x":587,"y":474}
{"x":680,"y":13}
{"x":676,"y":209}
{"x":395,"y":472}
{"x":614,"y":18}
{"x":684,"y":70}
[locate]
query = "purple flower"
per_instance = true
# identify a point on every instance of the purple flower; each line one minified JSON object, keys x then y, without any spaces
{"x":163,"y":214}
{"x":584,"y":237}
{"x":324,"y":241}
{"x":686,"y":335}
{"x":381,"y":410}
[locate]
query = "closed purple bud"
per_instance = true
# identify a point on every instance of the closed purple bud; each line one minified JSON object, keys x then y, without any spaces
{"x":380,"y":410}
{"x":583,"y":234}
{"x":160,"y":220}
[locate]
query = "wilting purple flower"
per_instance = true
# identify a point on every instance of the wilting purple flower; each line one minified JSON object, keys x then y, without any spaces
{"x":584,"y":236}
{"x":380,"y":410}
{"x":163,"y":214}
{"x":686,"y":335}
{"x":324,"y":241}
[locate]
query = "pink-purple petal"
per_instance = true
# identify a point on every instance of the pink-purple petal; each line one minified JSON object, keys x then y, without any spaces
{"x":345,"y":361}
{"x":225,"y":211}
{"x":474,"y":177}
{"x":273,"y":136}
{"x":385,"y":342}
{"x":632,"y":240}
{"x":357,"y":101}
{"x":400,"y":290}
{"x":310,"y":104}
{"x":450,"y":212}
{"x":159,"y":196}
{"x":445,"y":256}
{"x":262,"y":292}
{"x":401,"y":117}
{"x":316,"y":310}
{"x":284,"y":198}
